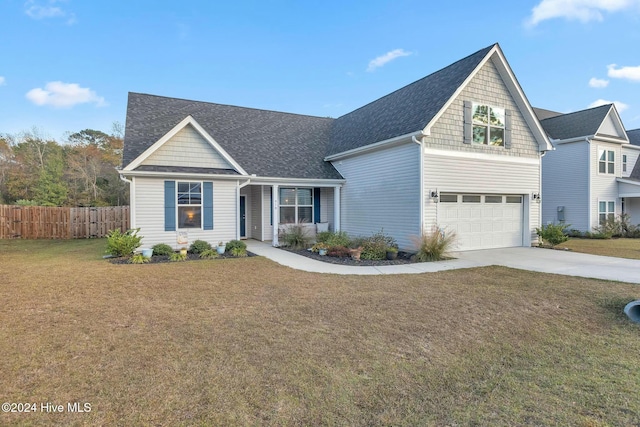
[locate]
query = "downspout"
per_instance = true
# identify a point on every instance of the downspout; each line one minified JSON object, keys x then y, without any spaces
{"x":238,"y":188}
{"x":132,"y":205}
{"x":422,"y":201}
{"x":589,"y":211}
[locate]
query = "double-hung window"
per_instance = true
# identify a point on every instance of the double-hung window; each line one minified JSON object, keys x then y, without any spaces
{"x":606,"y":210}
{"x":624,"y":163}
{"x":488,"y":125}
{"x":189,"y":205}
{"x":296,"y":205}
{"x":607,"y":162}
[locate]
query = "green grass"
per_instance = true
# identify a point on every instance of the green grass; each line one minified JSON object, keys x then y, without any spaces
{"x":249,"y":342}
{"x":621,"y":248}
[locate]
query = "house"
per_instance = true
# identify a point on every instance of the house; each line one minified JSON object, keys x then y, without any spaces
{"x":460,"y":149}
{"x":590,"y":175}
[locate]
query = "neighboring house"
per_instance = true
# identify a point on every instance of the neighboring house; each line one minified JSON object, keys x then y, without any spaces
{"x":590,"y":174}
{"x":460,"y":149}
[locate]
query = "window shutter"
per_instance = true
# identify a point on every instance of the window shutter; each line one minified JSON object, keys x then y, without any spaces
{"x":207,"y":205}
{"x":507,"y":128}
{"x":316,"y":204}
{"x":169,"y":206}
{"x":468,"y":122}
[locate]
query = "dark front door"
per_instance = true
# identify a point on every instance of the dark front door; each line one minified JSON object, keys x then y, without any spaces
{"x":243,"y":216}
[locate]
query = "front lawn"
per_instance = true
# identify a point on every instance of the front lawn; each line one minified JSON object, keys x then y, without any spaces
{"x":621,"y":248}
{"x":249,"y":342}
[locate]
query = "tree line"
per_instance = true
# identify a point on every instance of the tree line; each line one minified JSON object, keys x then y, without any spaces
{"x":80,"y":171}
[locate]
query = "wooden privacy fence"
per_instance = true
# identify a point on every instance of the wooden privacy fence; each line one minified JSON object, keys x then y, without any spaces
{"x":45,"y":222}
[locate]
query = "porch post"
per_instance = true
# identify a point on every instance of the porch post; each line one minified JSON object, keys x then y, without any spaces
{"x":336,"y":208}
{"x":275,"y":214}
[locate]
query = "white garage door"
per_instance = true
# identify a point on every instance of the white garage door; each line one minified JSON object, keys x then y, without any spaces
{"x":482,"y":221}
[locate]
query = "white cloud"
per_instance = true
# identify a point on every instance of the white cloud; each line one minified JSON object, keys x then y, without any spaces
{"x":598,"y":83}
{"x":630,"y":73}
{"x":621,"y":106}
{"x":64,"y":95}
{"x":47,"y":9}
{"x":581,"y":10}
{"x":387,"y":57}
{"x":3,"y":81}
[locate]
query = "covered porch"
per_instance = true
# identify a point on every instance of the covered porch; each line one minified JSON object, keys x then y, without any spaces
{"x":265,"y":210}
{"x":629,"y":193}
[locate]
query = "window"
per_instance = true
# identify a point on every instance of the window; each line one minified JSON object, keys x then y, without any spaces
{"x":470,"y":199}
{"x":296,"y":205}
{"x":606,"y":163}
{"x":449,"y":198}
{"x":514,"y":199}
{"x":493,"y":199}
{"x":189,"y":205}
{"x":606,"y":210}
{"x":624,"y":163}
{"x":488,"y":125}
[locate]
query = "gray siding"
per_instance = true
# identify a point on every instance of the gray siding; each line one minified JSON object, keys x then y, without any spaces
{"x":187,"y":148}
{"x":255,"y":209}
{"x":382,"y":192}
{"x":632,"y":206}
{"x":149,"y":213}
{"x":565,"y":173}
{"x":266,"y":213}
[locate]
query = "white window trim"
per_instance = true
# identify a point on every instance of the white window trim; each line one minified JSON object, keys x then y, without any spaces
{"x":606,"y":161}
{"x":296,"y":206}
{"x":178,"y":206}
{"x":488,"y":125}
{"x":606,"y":211}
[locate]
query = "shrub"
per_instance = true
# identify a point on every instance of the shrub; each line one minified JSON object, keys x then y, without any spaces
{"x":375,"y":247}
{"x":331,"y":238}
{"x":236,"y":244}
{"x":238,"y":251}
{"x":177,"y":256}
{"x":199,"y":246}
{"x":162,"y":249}
{"x":619,"y":226}
{"x":209,"y":254}
{"x":138,"y":259}
{"x":434,"y":245}
{"x":294,"y":237}
{"x":123,"y":244}
{"x":339,"y":251}
{"x":553,"y":234}
{"x":318,"y":246}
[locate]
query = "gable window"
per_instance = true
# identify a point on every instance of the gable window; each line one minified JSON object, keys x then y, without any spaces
{"x":606,"y":161}
{"x":189,"y":205}
{"x":296,"y":205}
{"x":624,"y":163}
{"x":488,"y":125}
{"x":606,"y":210}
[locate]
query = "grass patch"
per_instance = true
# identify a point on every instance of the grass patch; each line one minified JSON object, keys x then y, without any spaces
{"x":621,"y":248}
{"x":249,"y":342}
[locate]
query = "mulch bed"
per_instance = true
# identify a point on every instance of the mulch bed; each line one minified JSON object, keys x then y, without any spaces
{"x":157,"y":259}
{"x":403,"y":258}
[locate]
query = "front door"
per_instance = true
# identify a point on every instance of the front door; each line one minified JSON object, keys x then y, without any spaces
{"x":243,"y":216}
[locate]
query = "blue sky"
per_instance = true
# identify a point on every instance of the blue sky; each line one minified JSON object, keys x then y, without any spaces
{"x":67,"y":65}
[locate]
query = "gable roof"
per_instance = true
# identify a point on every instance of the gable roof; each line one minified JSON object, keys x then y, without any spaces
{"x":578,"y":124}
{"x":406,"y":110}
{"x":634,"y":137}
{"x":254,"y":138}
{"x":542,"y":114}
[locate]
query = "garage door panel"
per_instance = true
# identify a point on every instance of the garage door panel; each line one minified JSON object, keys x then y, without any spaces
{"x":483,"y":225}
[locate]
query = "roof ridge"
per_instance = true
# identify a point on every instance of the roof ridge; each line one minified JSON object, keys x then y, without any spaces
{"x":231,"y":106}
{"x":577,"y":112}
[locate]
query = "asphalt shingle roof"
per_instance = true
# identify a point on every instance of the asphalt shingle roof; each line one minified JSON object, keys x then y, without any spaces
{"x":276,"y":144}
{"x":573,"y":125}
{"x":406,"y":110}
{"x":634,"y":136}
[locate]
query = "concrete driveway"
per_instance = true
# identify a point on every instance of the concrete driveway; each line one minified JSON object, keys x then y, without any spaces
{"x":557,"y":262}
{"x":533,"y":259}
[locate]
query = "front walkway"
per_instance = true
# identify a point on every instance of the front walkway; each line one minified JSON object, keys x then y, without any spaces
{"x":533,"y":259}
